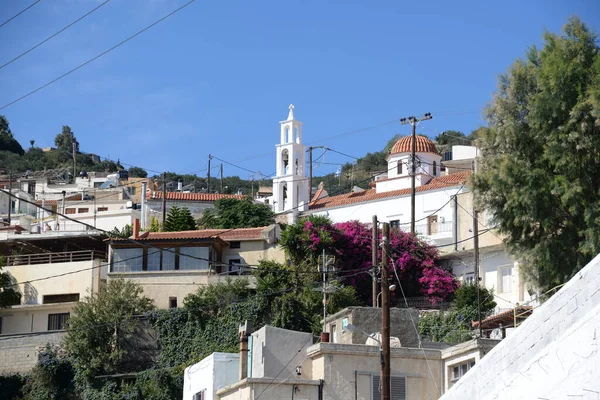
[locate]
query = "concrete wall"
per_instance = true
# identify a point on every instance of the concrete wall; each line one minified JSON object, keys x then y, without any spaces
{"x":251,"y":252}
{"x":368,"y":319}
{"x":80,"y":277}
{"x":348,"y":370}
{"x":211,"y":374}
{"x":18,"y":354}
{"x":277,"y":351}
{"x":161,"y":285}
{"x":271,"y":389}
{"x":552,"y":355}
{"x":195,"y":207}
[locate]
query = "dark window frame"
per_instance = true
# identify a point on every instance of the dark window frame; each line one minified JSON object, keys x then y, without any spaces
{"x":58,"y":321}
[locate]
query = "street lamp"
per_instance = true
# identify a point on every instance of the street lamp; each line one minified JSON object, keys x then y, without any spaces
{"x":392,"y":288}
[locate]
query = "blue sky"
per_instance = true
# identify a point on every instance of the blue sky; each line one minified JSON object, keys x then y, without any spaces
{"x":217,"y":77}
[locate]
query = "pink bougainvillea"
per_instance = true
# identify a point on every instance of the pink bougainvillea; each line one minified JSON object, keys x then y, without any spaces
{"x":414,"y":261}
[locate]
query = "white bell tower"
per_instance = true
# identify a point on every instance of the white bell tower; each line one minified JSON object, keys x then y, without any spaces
{"x":290,"y":185}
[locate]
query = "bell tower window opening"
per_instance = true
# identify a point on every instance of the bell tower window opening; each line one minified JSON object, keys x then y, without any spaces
{"x":296,"y":135}
{"x":435,"y":169}
{"x":399,"y":167}
{"x":286,"y":135}
{"x":285,"y":159}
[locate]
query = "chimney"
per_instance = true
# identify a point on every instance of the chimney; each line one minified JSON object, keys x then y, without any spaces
{"x":136,"y":228}
{"x":245,"y":330}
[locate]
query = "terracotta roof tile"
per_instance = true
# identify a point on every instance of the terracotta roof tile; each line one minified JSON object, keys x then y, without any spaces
{"x":423,"y":145}
{"x":192,"y":196}
{"x":372,"y":195}
{"x":505,"y":318}
{"x":224,"y":234}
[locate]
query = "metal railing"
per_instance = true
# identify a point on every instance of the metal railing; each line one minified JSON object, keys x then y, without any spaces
{"x":434,"y":229}
{"x":53,"y":258}
{"x":423,"y":303}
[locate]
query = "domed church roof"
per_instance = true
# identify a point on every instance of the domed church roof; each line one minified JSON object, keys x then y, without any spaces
{"x":404,"y":145}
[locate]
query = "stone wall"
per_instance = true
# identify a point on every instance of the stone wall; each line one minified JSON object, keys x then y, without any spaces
{"x":19,"y":353}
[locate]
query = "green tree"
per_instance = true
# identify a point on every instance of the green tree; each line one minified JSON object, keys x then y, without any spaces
{"x":64,"y":140}
{"x":8,"y":295}
{"x":179,"y":219}
{"x":7,"y":141}
{"x":137,"y":172}
{"x":154,"y":225}
{"x":452,"y":138}
{"x":233,"y":213}
{"x":124,"y":233}
{"x":51,"y":378}
{"x":455,"y":325}
{"x":540,"y":166}
{"x":100,"y":326}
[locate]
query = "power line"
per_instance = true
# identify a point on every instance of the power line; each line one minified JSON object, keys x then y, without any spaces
{"x":98,"y":56}
{"x":54,"y":35}
{"x":19,"y":13}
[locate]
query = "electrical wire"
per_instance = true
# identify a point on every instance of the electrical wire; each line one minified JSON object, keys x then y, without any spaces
{"x":97,"y":56}
{"x":384,"y":248}
{"x":19,"y":13}
{"x":54,"y":35}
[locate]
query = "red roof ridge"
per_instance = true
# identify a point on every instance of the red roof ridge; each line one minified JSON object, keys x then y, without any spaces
{"x":184,"y":196}
{"x":372,"y":194}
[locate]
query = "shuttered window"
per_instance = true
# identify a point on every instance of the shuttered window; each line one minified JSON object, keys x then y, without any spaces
{"x":398,"y":388}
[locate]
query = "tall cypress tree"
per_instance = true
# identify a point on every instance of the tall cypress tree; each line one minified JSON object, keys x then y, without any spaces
{"x":540,"y":160}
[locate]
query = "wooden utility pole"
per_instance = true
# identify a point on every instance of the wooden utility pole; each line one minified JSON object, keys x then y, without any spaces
{"x":374,"y":259}
{"x":385,"y":315}
{"x":208,"y":175}
{"x":413,"y":121}
{"x":476,"y":256}
{"x":164,"y":199}
{"x":310,"y":165}
{"x":221,"y":173}
{"x":9,"y":196}
{"x":74,"y":161}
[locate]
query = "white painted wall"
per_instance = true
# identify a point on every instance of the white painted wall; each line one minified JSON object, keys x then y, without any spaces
{"x":273,"y":348}
{"x":552,"y":355}
{"x":211,"y":374}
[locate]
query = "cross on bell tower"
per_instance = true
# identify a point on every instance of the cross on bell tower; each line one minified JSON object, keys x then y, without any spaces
{"x":290,"y":185}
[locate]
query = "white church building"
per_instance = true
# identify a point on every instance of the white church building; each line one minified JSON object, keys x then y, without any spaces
{"x":443,"y":206}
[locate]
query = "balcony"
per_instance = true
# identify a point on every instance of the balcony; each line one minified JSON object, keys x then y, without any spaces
{"x":436,"y":229}
{"x":54,"y":258}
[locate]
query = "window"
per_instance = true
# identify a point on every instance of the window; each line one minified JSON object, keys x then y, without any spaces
{"x":399,"y":167}
{"x":458,"y":371}
{"x":469,"y":278}
{"x":60,"y":298}
{"x":100,"y":209}
{"x":235,"y":244}
{"x":193,"y":258}
{"x":132,"y":190}
{"x":504,"y":279}
{"x":57,"y":321}
{"x":333,"y":331}
{"x":432,"y":225}
{"x":83,"y":210}
{"x":172,"y":302}
{"x":70,"y":211}
{"x":127,"y":260}
{"x":153,"y":260}
{"x":398,"y":387}
{"x":395,"y":224}
{"x":168,"y":259}
{"x":200,"y":395}
{"x":434,"y":168}
{"x":98,"y":184}
{"x":234,"y":265}
{"x":31,"y":188}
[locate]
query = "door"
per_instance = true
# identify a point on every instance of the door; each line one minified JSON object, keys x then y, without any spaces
{"x":432,"y":222}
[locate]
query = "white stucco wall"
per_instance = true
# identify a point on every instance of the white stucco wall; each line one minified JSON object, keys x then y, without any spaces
{"x":211,"y":374}
{"x":107,"y":220}
{"x":552,"y":355}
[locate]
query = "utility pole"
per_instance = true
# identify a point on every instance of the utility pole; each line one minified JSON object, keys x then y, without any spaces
{"x":374,"y":259}
{"x":476,"y":256}
{"x":252,"y":184}
{"x":221,"y":172}
{"x":385,"y":315}
{"x":9,"y":196}
{"x":74,"y":161}
{"x":164,"y":199}
{"x":310,"y":165}
{"x":324,"y":270}
{"x":208,"y":175}
{"x":413,"y":121}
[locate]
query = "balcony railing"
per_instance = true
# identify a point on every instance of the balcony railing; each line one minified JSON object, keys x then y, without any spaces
{"x":54,"y":258}
{"x":435,"y":228}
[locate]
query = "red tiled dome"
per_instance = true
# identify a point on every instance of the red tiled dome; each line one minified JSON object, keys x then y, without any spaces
{"x":404,"y":145}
